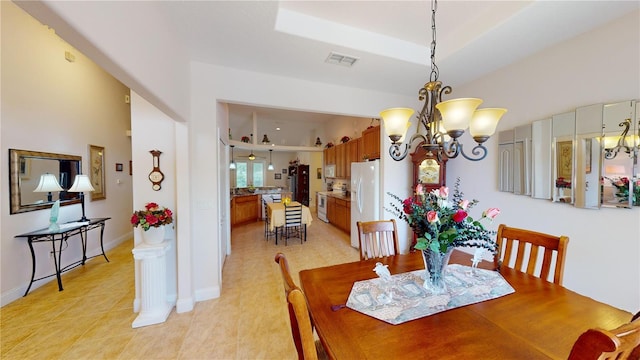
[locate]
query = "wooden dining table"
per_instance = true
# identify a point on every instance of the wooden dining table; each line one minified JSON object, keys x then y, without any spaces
{"x":541,"y":320}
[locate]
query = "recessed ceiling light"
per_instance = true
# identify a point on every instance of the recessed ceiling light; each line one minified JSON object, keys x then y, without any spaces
{"x":341,"y":59}
{"x":278,"y":129}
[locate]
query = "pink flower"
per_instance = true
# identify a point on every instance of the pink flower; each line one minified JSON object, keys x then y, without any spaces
{"x":459,"y":216}
{"x":151,"y":206}
{"x":443,"y":192}
{"x":152,"y":220}
{"x":134,"y":219}
{"x":419,"y":189}
{"x":491,"y":213}
{"x":432,"y":217}
{"x":464,"y":204}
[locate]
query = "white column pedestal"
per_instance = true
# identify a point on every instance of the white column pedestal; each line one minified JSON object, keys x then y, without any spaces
{"x":154,"y":307}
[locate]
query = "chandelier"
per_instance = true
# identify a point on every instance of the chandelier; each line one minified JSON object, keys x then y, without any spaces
{"x":443,"y":121}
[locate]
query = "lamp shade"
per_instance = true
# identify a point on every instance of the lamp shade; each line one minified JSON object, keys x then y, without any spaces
{"x":484,"y":121}
{"x":457,"y":113}
{"x":82,"y":183}
{"x":48,"y":183}
{"x":396,"y":121}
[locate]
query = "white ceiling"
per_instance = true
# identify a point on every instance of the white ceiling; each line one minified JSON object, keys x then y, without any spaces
{"x":391,"y":39}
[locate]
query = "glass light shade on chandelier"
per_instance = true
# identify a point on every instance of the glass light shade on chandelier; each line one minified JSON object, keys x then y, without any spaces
{"x":270,"y":167}
{"x":232,"y":164}
{"x":443,"y":121}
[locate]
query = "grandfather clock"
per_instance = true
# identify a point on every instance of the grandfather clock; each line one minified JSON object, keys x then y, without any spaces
{"x":428,"y":170}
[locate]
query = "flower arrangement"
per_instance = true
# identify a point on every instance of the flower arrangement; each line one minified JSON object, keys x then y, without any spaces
{"x":345,"y":139}
{"x":329,"y":145}
{"x":441,"y":224}
{"x":245,"y":139}
{"x":622,"y":190}
{"x":153,"y":215}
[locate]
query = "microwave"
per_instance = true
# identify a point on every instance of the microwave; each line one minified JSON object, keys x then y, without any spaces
{"x":330,"y":171}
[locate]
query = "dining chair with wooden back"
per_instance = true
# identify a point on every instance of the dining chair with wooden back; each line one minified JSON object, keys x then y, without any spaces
{"x":620,"y":343}
{"x":267,"y":220}
{"x":377,"y":238}
{"x":293,"y":225}
{"x":548,"y":244}
{"x":299,"y":318}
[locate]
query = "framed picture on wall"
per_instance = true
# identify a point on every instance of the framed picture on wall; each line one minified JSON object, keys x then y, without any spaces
{"x":118,"y":167}
{"x":284,"y":171}
{"x":96,"y":173}
{"x":277,"y":176}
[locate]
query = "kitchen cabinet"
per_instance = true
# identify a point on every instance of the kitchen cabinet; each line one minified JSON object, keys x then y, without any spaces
{"x":331,"y":209}
{"x":351,"y":155}
{"x":339,"y":213}
{"x":245,"y":209}
{"x":360,"y":154}
{"x":371,"y":143}
{"x":330,"y":156}
{"x":341,"y":151}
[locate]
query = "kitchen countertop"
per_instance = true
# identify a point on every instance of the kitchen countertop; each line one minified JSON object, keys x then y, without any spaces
{"x":339,"y":195}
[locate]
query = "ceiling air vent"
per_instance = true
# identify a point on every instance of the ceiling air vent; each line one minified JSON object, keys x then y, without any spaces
{"x":340,"y":59}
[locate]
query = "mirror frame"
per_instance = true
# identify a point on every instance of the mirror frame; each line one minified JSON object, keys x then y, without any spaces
{"x":15,"y":205}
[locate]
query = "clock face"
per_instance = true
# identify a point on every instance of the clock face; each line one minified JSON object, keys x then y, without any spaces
{"x":156,"y":176}
{"x":429,"y":172}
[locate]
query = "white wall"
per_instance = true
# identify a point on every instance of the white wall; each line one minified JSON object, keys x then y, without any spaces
{"x":603,"y":257}
{"x":210,"y":83}
{"x":52,"y":105}
{"x":151,"y":129}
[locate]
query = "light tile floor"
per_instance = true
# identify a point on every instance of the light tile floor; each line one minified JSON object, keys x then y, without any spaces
{"x":91,"y":318}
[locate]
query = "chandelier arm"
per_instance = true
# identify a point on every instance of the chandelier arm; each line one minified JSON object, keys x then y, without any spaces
{"x":611,"y":153}
{"x":479,"y":151}
{"x":396,"y":154}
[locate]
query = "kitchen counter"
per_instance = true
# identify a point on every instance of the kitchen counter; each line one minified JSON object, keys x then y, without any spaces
{"x":339,"y":195}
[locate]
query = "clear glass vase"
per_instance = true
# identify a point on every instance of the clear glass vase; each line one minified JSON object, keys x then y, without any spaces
{"x":435,"y":264}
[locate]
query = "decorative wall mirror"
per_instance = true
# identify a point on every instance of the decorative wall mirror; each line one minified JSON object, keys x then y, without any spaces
{"x":541,"y":159}
{"x":619,"y":155}
{"x":563,"y":132}
{"x":522,"y":160}
{"x":587,"y":170}
{"x":25,"y":169}
{"x":587,"y":157}
{"x":505,"y":160}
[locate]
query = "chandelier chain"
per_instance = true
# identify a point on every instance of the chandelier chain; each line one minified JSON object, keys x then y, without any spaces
{"x":434,"y":67}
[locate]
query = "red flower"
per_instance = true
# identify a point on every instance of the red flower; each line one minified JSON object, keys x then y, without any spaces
{"x":459,"y":216}
{"x":407,"y":206}
{"x":134,"y":219}
{"x":151,"y":206}
{"x":152,"y":220}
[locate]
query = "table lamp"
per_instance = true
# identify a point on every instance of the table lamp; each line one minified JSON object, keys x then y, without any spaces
{"x":49,"y":183}
{"x":81,"y":184}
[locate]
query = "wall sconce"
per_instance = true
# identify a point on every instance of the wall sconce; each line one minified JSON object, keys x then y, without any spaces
{"x":49,"y":183}
{"x":232,"y":165}
{"x":270,"y":167}
{"x":80,"y":185}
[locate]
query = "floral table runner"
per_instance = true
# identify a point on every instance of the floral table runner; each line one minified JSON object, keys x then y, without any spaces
{"x":404,"y":298}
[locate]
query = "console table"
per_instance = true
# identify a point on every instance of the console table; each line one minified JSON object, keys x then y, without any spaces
{"x":59,"y":237}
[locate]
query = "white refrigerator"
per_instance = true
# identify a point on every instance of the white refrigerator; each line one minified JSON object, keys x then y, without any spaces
{"x":365,"y":195}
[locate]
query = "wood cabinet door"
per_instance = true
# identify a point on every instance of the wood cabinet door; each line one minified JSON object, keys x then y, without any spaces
{"x":371,"y":143}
